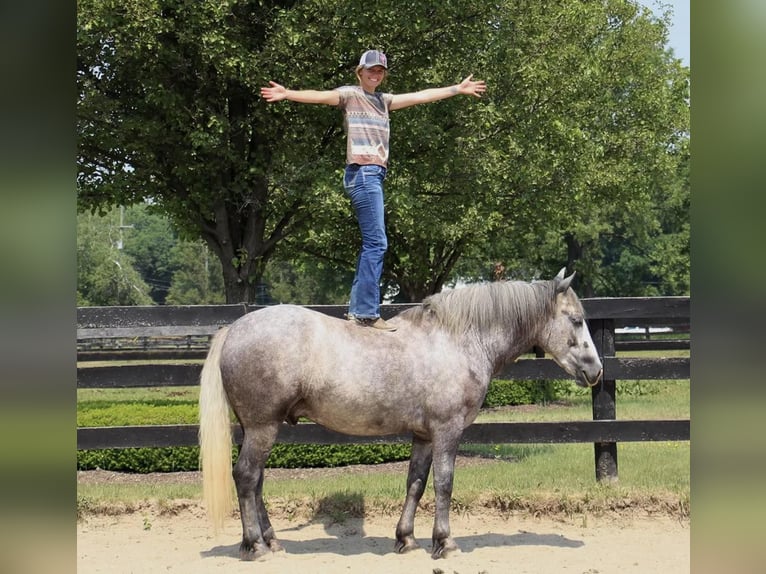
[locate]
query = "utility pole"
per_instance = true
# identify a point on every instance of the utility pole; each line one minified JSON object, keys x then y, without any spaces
{"x":122,"y":226}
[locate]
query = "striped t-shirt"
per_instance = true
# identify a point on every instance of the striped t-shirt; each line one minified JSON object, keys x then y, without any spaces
{"x":365,"y":118}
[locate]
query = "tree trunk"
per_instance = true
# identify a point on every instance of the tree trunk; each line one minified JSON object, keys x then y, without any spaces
{"x":575,"y":250}
{"x":236,"y":289}
{"x":239,"y":240}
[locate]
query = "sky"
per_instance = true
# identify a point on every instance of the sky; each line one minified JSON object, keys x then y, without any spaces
{"x":679,"y":36}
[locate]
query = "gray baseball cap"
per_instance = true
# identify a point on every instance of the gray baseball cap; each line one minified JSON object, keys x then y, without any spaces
{"x":373,"y":58}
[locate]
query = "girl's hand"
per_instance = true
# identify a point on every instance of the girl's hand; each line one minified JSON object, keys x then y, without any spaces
{"x":469,"y":87}
{"x":275,"y":93}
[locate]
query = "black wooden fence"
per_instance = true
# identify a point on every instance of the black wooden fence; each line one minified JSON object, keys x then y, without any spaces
{"x":183,"y":331}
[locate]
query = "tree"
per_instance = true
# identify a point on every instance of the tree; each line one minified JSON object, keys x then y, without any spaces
{"x":151,"y":260}
{"x":594,"y":116}
{"x":307,"y":281}
{"x":150,"y":242}
{"x":105,"y":274}
{"x":575,"y":140}
{"x":197,"y":277}
{"x":168,"y":108}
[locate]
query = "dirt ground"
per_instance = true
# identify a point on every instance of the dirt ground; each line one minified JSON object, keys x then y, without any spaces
{"x":178,"y":538}
{"x":151,"y":541}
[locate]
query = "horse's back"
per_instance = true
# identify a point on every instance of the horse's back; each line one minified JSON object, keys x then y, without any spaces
{"x":286,"y":326}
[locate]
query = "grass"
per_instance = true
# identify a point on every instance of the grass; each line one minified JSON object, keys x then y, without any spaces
{"x":536,"y":478}
{"x":140,"y":406}
{"x":635,"y":400}
{"x":103,"y":496}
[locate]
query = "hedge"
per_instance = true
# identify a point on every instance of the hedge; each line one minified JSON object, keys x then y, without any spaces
{"x":177,"y":459}
{"x":504,"y":393}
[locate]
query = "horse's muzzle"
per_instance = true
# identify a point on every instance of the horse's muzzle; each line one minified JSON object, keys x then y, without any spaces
{"x":596,"y":380}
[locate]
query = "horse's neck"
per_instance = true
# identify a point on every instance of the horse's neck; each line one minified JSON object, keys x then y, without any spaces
{"x":503,"y":347}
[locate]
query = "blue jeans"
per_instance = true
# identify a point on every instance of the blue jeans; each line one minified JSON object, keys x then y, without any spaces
{"x":364,"y":185}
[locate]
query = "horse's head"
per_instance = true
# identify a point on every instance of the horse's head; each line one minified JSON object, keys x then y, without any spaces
{"x":567,"y":338}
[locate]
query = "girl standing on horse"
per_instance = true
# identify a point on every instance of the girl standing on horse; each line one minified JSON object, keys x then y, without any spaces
{"x":365,"y":112}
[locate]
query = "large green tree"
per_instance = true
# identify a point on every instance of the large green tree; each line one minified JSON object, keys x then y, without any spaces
{"x":594,"y":162}
{"x":168,"y":108}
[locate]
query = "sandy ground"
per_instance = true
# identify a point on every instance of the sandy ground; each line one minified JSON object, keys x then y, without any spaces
{"x":148,"y":542}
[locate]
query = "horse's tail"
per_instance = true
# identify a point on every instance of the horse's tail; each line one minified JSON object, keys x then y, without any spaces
{"x":215,"y":436}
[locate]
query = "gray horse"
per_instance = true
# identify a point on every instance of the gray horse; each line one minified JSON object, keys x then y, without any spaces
{"x":428,"y":378}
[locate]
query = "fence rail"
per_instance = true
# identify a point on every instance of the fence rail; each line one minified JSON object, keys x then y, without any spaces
{"x":193,"y":324}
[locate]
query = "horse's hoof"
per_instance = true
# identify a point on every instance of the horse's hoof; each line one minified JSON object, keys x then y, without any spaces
{"x":445,"y":549}
{"x":254,"y":552}
{"x":275,"y":546}
{"x":407,"y":544}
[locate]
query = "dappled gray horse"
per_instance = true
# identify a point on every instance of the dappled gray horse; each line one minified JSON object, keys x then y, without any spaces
{"x":428,"y":378}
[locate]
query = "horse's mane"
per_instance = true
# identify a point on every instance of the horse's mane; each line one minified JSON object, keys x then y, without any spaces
{"x":484,"y":305}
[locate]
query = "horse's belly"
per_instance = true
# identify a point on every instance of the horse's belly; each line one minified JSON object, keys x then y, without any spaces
{"x":362,"y":422}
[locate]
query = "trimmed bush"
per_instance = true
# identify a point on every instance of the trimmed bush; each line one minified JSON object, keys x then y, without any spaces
{"x":177,"y":459}
{"x":502,"y":393}
{"x":329,"y":455}
{"x":140,"y":460}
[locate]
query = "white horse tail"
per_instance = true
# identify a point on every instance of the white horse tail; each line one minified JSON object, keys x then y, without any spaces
{"x":215,"y":438}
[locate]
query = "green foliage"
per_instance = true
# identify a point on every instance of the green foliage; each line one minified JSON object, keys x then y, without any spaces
{"x":197,"y":277}
{"x":150,"y":240}
{"x":140,"y":460}
{"x":153,"y":266}
{"x":312,"y":455}
{"x":586,"y":173}
{"x":568,"y":158}
{"x":106,"y":274}
{"x":157,"y":412}
{"x":177,"y":459}
{"x":307,"y":281}
{"x":637,"y":400}
{"x":501,"y":392}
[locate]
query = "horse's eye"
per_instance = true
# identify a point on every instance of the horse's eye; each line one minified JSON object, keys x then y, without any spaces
{"x":577,"y":320}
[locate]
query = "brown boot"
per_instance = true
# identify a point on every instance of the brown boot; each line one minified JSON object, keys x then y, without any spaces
{"x":375,"y":323}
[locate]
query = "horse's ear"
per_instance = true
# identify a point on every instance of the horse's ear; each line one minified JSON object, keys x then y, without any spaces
{"x":563,"y":283}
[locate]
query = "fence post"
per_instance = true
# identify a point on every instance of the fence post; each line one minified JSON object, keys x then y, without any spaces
{"x":603,"y":398}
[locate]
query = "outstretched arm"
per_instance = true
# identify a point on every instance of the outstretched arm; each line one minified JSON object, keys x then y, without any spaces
{"x":468,"y":87}
{"x":276,"y":93}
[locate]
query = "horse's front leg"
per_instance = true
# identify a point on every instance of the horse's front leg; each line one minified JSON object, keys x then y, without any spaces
{"x":417,"y":477}
{"x":445,"y":452}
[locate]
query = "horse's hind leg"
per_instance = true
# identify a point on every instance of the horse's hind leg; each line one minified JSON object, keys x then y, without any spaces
{"x":417,"y":477}
{"x":257,"y":533}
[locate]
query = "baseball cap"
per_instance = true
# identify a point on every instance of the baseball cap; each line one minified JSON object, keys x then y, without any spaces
{"x":373,"y":58}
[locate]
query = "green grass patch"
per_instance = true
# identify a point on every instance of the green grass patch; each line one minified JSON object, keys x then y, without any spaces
{"x":635,"y":400}
{"x":140,"y":406}
{"x":544,"y":478}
